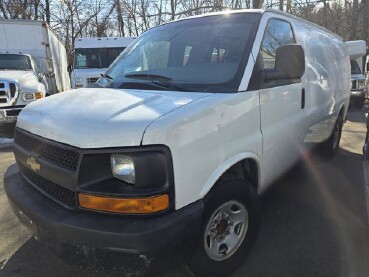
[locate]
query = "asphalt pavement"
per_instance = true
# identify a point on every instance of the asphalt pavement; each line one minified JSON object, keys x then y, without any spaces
{"x":314,"y":223}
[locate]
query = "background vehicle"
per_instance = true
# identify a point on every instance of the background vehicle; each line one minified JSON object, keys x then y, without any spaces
{"x":357,"y":50}
{"x":33,"y":64}
{"x":92,"y":56}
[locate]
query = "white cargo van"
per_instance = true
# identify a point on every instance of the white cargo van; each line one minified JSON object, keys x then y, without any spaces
{"x":33,"y":64}
{"x":198,"y":117}
{"x":92,"y":56}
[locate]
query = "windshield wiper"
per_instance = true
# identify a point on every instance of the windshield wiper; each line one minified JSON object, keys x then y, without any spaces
{"x":158,"y":80}
{"x":83,"y":67}
{"x":150,"y":77}
{"x":106,"y":76}
{"x":4,"y":68}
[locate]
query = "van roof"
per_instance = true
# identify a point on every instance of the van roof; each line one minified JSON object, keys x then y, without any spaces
{"x":259,"y":11}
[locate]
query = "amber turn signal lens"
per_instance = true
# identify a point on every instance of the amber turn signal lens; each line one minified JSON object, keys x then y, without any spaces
{"x":38,"y":95}
{"x":145,"y":205}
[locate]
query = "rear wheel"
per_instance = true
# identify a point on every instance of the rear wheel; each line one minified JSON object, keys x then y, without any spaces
{"x":331,"y":146}
{"x":230,"y":226}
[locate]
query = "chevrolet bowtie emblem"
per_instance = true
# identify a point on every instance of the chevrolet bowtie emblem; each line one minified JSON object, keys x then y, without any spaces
{"x":31,"y":162}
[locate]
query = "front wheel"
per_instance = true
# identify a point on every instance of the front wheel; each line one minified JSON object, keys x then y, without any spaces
{"x":230,"y":225}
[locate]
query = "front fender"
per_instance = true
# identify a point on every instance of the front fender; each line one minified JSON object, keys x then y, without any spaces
{"x":227,"y":165}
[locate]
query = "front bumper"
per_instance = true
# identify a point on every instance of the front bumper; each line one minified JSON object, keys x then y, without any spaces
{"x":53,"y":224}
{"x":9,"y":114}
{"x":8,"y":119}
{"x":356,"y":94}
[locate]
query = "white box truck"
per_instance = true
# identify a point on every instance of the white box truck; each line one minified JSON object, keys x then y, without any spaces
{"x":193,"y":122}
{"x":357,"y":50}
{"x":93,"y":56}
{"x":33,"y":64}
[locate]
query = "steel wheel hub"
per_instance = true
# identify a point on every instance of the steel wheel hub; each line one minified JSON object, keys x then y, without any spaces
{"x":226,"y":230}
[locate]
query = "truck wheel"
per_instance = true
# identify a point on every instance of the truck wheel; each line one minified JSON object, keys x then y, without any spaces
{"x":360,"y":103}
{"x":230,"y":225}
{"x":331,"y":146}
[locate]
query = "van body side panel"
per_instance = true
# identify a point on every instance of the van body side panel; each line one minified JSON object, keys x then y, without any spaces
{"x":284,"y":125}
{"x":282,"y":120}
{"x":326,"y":80}
{"x":207,"y":137}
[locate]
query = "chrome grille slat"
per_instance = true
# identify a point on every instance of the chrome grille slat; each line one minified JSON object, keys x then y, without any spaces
{"x":8,"y":93}
{"x":92,"y":79}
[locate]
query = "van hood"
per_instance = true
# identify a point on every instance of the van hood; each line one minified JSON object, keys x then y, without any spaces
{"x":27,"y":80}
{"x":99,"y":118}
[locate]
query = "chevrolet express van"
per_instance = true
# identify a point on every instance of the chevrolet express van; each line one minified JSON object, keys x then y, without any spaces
{"x":194,"y":121}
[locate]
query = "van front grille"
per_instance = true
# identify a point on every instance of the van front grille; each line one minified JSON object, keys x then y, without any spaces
{"x":57,"y":155}
{"x":58,"y":193}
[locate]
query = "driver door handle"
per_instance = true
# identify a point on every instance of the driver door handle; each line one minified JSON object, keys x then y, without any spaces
{"x":303,"y":99}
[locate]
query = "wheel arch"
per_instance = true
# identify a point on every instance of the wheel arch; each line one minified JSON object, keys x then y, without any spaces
{"x":235,"y":166}
{"x":342,"y":111}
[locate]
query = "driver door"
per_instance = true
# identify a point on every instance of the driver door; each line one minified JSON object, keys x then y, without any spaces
{"x":282,"y":109}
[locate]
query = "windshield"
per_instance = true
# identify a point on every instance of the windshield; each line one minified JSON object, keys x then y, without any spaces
{"x":201,"y":54}
{"x":15,"y":62}
{"x":355,"y":69}
{"x":95,"y":57}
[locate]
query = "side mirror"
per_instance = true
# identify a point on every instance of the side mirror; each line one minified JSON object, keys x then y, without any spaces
{"x":50,"y":75}
{"x":289,"y":64}
{"x":70,"y":68}
{"x":40,"y":76}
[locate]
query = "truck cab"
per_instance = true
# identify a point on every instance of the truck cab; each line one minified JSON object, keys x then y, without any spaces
{"x":21,"y":82}
{"x":93,"y":56}
{"x":358,"y":85}
{"x":357,"y":50}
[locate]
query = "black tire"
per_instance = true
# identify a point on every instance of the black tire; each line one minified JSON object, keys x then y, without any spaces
{"x":237,"y":190}
{"x":331,"y":146}
{"x":360,"y":103}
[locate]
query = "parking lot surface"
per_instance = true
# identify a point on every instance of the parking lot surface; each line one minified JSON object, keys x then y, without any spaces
{"x":314,"y":222}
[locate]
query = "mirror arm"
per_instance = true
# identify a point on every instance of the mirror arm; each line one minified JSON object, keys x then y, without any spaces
{"x":272,"y":75}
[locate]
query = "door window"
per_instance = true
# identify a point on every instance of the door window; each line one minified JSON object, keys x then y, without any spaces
{"x":277,"y":34}
{"x":36,"y":66}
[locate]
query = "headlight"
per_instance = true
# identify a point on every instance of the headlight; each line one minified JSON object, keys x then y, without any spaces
{"x":29,"y":96}
{"x":79,"y":82}
{"x":131,"y":181}
{"x":123,"y":168}
{"x":361,"y":84}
